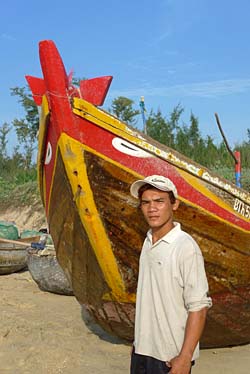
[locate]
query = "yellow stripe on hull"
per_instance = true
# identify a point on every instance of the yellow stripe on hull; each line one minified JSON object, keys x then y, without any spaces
{"x":41,"y":145}
{"x":196,"y":183}
{"x":73,"y":151}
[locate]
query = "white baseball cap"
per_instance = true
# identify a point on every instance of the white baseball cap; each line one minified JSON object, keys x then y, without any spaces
{"x":157,"y":181}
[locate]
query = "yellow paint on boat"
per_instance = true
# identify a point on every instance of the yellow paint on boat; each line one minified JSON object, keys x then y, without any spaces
{"x":41,"y":145}
{"x":73,"y":155}
{"x":196,"y":183}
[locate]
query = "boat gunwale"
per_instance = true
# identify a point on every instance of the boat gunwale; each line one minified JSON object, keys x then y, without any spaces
{"x":156,"y":148}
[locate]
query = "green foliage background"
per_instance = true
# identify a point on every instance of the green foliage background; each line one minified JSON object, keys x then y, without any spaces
{"x":18,"y":176}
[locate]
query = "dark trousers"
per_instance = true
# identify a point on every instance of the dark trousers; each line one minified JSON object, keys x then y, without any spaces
{"x":141,"y":364}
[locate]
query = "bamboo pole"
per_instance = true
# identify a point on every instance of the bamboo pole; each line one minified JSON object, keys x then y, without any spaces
{"x":27,"y":244}
{"x":225,"y":139}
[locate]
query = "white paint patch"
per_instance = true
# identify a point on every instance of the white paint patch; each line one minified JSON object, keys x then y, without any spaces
{"x":242,"y":208}
{"x":129,"y":149}
{"x":48,"y":154}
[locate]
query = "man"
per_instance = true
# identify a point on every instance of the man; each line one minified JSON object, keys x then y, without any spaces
{"x":172,"y":301}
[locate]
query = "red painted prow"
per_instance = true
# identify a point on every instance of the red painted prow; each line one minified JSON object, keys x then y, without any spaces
{"x":57,"y":83}
{"x":95,"y":90}
{"x":37,"y":87}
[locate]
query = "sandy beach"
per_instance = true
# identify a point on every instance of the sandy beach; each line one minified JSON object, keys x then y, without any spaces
{"x":45,"y":333}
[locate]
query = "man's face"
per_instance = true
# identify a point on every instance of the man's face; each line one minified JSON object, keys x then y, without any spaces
{"x":157,"y":209}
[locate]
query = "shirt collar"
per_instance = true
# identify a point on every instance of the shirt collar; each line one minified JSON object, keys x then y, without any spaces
{"x":170,"y":236}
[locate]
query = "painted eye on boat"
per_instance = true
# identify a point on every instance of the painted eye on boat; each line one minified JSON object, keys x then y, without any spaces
{"x":129,"y":148}
{"x":48,"y":154}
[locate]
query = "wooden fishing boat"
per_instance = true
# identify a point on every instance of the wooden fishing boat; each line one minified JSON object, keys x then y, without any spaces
{"x":13,"y":258}
{"x":46,"y":271}
{"x":87,"y":160}
{"x":13,"y":254}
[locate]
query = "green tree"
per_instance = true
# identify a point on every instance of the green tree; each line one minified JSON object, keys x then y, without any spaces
{"x":196,"y":142}
{"x":163,"y":129}
{"x":244,"y":149}
{"x":182,"y":140}
{"x":159,"y":128}
{"x":4,"y":131}
{"x":248,"y":136}
{"x":27,"y":127}
{"x":122,"y":108}
{"x":211,"y":156}
{"x":175,"y":116}
{"x":194,"y":132}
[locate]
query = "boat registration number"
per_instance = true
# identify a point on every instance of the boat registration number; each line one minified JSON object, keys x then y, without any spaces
{"x":242,"y":208}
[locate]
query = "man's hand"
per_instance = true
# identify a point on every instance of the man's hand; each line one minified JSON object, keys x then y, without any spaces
{"x":131,"y":349}
{"x":179,"y":365}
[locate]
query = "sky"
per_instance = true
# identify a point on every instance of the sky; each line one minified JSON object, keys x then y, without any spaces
{"x":192,"y":53}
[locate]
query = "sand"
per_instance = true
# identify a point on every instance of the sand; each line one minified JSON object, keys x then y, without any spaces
{"x":44,"y":333}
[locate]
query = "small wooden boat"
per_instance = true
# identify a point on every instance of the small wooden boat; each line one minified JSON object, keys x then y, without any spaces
{"x":13,"y":254}
{"x":13,"y":258}
{"x":87,"y":160}
{"x":46,"y":271}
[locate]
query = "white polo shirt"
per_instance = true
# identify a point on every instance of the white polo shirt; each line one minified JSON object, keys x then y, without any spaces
{"x":172,"y":282}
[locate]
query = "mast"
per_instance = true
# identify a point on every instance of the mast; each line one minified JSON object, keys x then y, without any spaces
{"x":143,"y":110}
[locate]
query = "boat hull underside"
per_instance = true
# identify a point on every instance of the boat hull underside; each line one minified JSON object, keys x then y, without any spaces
{"x":228,"y":320}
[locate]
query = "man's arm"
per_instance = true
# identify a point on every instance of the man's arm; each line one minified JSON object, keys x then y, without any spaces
{"x":181,"y":364}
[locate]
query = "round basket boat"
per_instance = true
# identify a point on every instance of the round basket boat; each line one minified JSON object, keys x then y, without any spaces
{"x":46,"y":271}
{"x":13,"y":258}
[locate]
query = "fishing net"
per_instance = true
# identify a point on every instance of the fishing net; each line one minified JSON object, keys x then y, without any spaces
{"x":8,"y":230}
